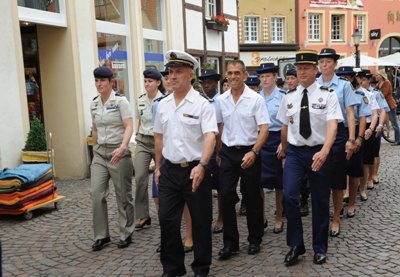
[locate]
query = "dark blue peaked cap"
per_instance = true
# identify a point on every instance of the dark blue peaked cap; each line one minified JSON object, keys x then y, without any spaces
{"x":152,"y":74}
{"x":103,"y":72}
{"x":252,"y":80}
{"x":210,"y":74}
{"x":267,"y":67}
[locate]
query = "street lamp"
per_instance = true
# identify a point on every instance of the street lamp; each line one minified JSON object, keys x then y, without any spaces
{"x":356,"y":41}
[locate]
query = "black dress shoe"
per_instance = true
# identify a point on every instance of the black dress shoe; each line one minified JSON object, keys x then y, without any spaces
{"x":334,"y":233}
{"x":254,"y":248}
{"x":125,"y":243}
{"x":319,"y":258}
{"x":100,"y":243}
{"x":227,"y":252}
{"x":187,"y":249}
{"x":141,"y":225}
{"x":351,"y":214}
{"x":217,"y":229}
{"x":304,"y":210}
{"x":363,"y":197}
{"x":292,"y":256}
{"x":278,"y":230}
{"x":170,"y":274}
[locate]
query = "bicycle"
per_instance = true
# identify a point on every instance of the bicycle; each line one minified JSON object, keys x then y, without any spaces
{"x":388,"y":132}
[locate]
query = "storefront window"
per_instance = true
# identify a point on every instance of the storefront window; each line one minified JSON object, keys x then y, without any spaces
{"x":151,"y":14}
{"x":43,"y":5}
{"x":112,"y":53}
{"x":154,"y":54}
{"x":110,"y":10}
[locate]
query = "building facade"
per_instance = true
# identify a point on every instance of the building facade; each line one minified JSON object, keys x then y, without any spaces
{"x":55,"y":45}
{"x":267,"y":31}
{"x":332,"y":24}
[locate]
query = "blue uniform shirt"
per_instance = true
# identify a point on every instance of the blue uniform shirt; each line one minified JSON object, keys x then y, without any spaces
{"x":344,"y":92}
{"x":380,"y":98}
{"x":363,"y":108}
{"x":273,"y":101}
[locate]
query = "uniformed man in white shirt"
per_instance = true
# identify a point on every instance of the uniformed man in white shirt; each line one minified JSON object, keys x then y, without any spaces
{"x":310,"y":115}
{"x":184,"y":132}
{"x":243,"y":122}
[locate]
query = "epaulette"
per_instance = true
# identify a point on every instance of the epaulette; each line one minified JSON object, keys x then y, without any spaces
{"x":206,"y":97}
{"x":95,"y":98}
{"x":161,"y":98}
{"x":344,"y":79}
{"x":360,"y":92}
{"x":326,"y":88}
{"x":375,"y":89}
{"x":142,"y":95}
{"x":289,"y":91}
{"x":117,"y":94}
{"x":282,"y":91}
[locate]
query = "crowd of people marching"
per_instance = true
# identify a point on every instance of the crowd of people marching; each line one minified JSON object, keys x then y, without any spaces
{"x":320,"y":137}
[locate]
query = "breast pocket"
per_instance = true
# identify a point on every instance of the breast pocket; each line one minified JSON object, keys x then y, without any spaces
{"x":191,"y":128}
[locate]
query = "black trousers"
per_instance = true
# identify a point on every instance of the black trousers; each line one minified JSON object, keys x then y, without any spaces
{"x":230,"y":172}
{"x":174,"y":190}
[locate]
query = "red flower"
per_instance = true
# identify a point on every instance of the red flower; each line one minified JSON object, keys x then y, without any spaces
{"x":220,"y":20}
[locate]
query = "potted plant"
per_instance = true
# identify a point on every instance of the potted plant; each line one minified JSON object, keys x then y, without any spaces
{"x":218,"y":23}
{"x":35,"y":150}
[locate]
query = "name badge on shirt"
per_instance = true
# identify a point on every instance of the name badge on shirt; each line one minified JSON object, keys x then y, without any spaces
{"x":365,"y":99}
{"x":318,"y":106}
{"x":190,"y":116}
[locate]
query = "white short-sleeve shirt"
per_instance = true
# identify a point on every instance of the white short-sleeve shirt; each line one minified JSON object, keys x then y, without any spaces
{"x":183,"y":126}
{"x":241,"y":119}
{"x":323,"y":105}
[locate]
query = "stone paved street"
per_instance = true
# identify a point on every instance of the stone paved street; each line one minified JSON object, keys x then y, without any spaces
{"x":58,"y":243}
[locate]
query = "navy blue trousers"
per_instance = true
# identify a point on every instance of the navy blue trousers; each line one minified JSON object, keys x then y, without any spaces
{"x":298,"y":163}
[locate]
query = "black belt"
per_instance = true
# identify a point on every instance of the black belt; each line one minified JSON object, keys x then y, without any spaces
{"x":182,"y":164}
{"x":239,"y":147}
{"x":306,"y":146}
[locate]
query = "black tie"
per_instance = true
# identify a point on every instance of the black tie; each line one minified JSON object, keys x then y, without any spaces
{"x":305,"y":126}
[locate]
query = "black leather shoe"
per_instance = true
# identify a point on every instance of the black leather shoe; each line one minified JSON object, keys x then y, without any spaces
{"x":217,"y":229}
{"x":351,"y":214}
{"x":319,"y":258}
{"x":363,"y":197}
{"x":141,"y":225}
{"x":304,"y":210}
{"x":100,"y":243}
{"x":170,"y":274}
{"x":334,"y":233}
{"x":278,"y":230}
{"x":125,"y":243}
{"x":227,"y":252}
{"x":292,"y":256}
{"x":187,"y":249}
{"x":254,"y":248}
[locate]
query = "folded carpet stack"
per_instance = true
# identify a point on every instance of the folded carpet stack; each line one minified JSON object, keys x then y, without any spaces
{"x":26,"y":186}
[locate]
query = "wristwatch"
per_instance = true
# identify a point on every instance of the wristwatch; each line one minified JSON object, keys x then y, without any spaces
{"x":255,"y":151}
{"x":203,"y":164}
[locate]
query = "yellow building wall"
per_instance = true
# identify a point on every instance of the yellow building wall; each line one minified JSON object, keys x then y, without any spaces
{"x":266,"y":9}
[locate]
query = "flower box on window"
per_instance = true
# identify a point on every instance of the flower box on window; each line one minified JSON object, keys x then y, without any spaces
{"x":218,"y":23}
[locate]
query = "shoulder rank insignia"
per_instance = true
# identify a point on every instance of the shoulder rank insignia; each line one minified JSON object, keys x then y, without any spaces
{"x":206,"y":97}
{"x":161,"y":98}
{"x":282,"y":91}
{"x":289,"y":91}
{"x":344,"y":79}
{"x":326,"y":88}
{"x":359,"y":92}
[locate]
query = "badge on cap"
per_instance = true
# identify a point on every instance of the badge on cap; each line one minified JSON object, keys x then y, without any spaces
{"x":172,"y":55}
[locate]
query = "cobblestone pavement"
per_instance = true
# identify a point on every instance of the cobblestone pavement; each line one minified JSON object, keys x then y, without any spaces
{"x":58,"y":243}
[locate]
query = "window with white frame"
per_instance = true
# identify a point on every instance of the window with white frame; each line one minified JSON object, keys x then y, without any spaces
{"x":251,"y":26}
{"x":314,"y":26}
{"x":337,"y":27}
{"x":211,"y":8}
{"x":360,"y":25}
{"x":277,"y":29}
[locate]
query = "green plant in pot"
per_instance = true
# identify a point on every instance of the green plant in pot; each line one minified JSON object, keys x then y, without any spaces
{"x":35,"y":149}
